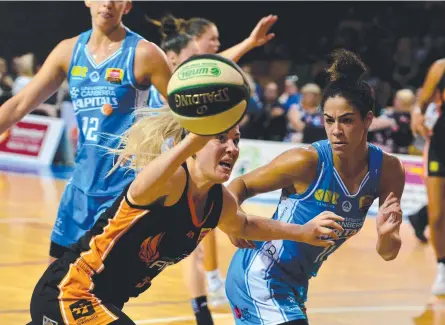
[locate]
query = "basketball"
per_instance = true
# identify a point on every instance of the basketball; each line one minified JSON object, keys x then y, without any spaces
{"x":208,"y":94}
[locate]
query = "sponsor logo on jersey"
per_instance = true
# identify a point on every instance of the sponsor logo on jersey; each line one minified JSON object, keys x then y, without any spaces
{"x":82,"y":308}
{"x":149,"y":250}
{"x":346,"y":206}
{"x":79,"y":72}
{"x":190,"y":234}
{"x":114,"y":75}
{"x":241,"y":313}
{"x":433,"y":166}
{"x":326,"y":196}
{"x":365,"y":202}
{"x":94,"y":76}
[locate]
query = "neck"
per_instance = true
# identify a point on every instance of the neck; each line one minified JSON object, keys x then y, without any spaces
{"x":351,"y":166}
{"x":198,"y":184}
{"x":112,"y":35}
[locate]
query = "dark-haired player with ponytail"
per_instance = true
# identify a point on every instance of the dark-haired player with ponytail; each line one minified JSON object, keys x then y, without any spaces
{"x":344,"y":174}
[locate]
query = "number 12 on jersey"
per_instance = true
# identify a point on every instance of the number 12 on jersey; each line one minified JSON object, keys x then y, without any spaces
{"x":89,"y":127}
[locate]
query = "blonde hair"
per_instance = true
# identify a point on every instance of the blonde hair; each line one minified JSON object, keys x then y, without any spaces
{"x":311,"y":88}
{"x":406,"y":97}
{"x":148,"y":137}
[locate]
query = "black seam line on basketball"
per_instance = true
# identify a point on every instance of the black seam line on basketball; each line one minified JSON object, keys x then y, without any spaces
{"x":208,"y":113}
{"x":208,"y":84}
{"x":239,"y":120}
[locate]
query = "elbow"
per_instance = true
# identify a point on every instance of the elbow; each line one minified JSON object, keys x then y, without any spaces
{"x":391,"y":254}
{"x":389,"y":257}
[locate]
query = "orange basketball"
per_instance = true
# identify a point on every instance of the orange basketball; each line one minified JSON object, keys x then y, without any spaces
{"x":107,"y":109}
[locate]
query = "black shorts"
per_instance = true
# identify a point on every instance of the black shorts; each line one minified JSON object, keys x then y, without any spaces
{"x":436,"y":150}
{"x":48,"y":309}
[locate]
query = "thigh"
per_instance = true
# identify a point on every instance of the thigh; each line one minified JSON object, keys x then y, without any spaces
{"x":256,"y":298}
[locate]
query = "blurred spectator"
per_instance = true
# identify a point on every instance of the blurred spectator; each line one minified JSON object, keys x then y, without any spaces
{"x":306,"y":121}
{"x":25,"y":67}
{"x":290,"y":96}
{"x":392,"y":131}
{"x":270,"y":122}
{"x":6,"y":82}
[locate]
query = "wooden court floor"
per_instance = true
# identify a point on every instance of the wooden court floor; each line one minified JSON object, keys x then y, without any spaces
{"x":354,"y":287}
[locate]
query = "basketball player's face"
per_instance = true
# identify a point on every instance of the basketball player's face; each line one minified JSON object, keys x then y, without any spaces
{"x":217,"y":158}
{"x":106,"y":14}
{"x":345,"y":128}
{"x":208,"y":42}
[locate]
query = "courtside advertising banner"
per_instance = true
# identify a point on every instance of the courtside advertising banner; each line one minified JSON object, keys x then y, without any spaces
{"x":33,"y":140}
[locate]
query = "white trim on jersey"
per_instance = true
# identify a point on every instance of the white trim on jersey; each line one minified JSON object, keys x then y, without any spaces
{"x":100,"y":65}
{"x":258,"y":286}
{"x":345,"y":189}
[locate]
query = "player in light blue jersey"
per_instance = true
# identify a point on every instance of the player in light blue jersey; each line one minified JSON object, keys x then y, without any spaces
{"x":109,"y":69}
{"x":344,"y":174}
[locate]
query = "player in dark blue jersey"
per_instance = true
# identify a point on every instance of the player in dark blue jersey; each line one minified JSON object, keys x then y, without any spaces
{"x":109,"y":69}
{"x":157,"y":221}
{"x":344,"y":174}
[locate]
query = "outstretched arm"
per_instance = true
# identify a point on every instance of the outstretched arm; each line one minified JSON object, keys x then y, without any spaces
{"x":389,"y":218}
{"x":150,"y":186}
{"x":43,"y":85}
{"x":236,"y":223}
{"x":259,"y":36}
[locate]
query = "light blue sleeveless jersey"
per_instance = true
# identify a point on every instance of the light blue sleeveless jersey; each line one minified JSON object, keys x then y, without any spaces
{"x":269,"y":284}
{"x":104,"y":97}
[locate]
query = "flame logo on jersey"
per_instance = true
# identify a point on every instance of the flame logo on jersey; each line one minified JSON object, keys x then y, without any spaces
{"x":149,"y":251}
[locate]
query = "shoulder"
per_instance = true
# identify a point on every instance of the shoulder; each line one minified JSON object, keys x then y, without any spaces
{"x":64,"y":51}
{"x":306,"y":156}
{"x":392,"y":170}
{"x":296,"y":164}
{"x":67,"y":45}
{"x":148,"y":50}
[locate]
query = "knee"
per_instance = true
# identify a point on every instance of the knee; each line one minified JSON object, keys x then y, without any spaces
{"x":436,"y":219}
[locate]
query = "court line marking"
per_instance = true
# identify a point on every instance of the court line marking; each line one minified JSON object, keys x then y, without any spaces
{"x":311,"y":311}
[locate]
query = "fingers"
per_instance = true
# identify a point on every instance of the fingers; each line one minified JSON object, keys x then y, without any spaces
{"x":332,"y":224}
{"x":328,"y":232}
{"x":332,"y":216}
{"x":323,"y":243}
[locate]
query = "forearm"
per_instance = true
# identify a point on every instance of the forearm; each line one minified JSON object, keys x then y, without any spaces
{"x":388,"y":246}
{"x":10,"y":113}
{"x":237,"y":52}
{"x":166,"y":164}
{"x":264,"y":229}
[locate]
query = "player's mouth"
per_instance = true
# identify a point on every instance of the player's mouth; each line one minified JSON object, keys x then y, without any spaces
{"x":105,"y":14}
{"x":226,"y":165}
{"x":339,"y":145}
